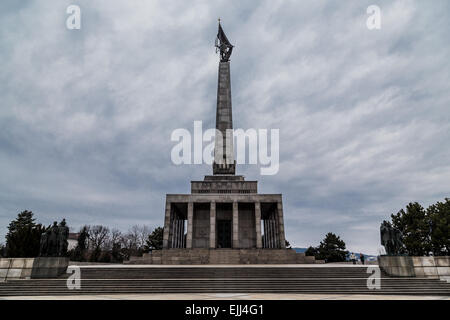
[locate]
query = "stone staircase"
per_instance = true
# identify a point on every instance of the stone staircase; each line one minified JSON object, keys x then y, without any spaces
{"x":318,"y":279}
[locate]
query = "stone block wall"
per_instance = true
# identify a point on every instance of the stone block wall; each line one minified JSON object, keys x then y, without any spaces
{"x":422,"y":267}
{"x":27,"y":268}
{"x":247,"y":233}
{"x":224,"y":256}
{"x":201,"y":225}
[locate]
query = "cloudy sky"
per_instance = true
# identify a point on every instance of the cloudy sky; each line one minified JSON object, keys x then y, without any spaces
{"x":86,"y":115}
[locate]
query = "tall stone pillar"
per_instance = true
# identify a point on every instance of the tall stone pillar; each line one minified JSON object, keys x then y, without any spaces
{"x":282,"y":237}
{"x":190,"y":225}
{"x":271,"y":232}
{"x":235,"y":225}
{"x":276,"y":232}
{"x":265,"y":233}
{"x":181,"y":233}
{"x":258,"y":225}
{"x":166,"y":226}
{"x":178,"y":232}
{"x":173,"y":233}
{"x":183,"y":239}
{"x":212,"y":225}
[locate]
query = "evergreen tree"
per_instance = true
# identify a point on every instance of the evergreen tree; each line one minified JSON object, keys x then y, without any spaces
{"x":415,"y":227}
{"x":2,"y":251}
{"x":155,"y":239}
{"x":311,"y":251}
{"x":331,"y":249}
{"x":24,"y":236}
{"x":80,"y":249}
{"x":439,"y":219}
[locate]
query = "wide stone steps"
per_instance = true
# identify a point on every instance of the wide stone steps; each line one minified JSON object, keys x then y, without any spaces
{"x":135,"y":280}
{"x":138,"y":273}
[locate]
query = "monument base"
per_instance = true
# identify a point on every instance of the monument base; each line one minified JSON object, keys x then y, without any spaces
{"x":34,"y":268}
{"x":223,"y":256}
{"x":423,"y":267}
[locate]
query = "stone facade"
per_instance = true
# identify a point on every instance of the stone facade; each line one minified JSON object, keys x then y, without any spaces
{"x":225,"y":220}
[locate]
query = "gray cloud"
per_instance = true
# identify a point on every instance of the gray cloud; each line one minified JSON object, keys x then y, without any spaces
{"x":86,"y":116}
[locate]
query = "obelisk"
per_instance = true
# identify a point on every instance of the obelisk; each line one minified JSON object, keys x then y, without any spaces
{"x":224,"y":162}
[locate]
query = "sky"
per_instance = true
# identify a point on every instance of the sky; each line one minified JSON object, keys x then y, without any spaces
{"x":86,"y":115}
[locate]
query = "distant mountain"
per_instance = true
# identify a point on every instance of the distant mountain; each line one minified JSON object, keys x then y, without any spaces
{"x":300,"y":250}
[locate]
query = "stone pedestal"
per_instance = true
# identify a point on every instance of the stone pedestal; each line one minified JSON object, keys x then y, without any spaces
{"x":49,"y":267}
{"x":422,"y":267}
{"x":223,"y":256}
{"x":26,"y":268}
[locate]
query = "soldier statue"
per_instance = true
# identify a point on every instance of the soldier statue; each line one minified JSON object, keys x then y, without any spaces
{"x":44,"y":243}
{"x":63,"y":234}
{"x":52,"y":246}
{"x":223,"y":45}
{"x":391,"y":239}
{"x":54,"y":240}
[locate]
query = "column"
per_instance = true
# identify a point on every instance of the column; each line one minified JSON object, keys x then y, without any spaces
{"x":173,"y":235}
{"x":166,"y":226}
{"x":183,"y":239}
{"x":189,"y":225}
{"x":265,"y":233}
{"x":235,"y":225}
{"x":276,"y":243}
{"x":271,"y":233}
{"x":178,"y":232}
{"x":281,"y":225}
{"x":258,"y":225}
{"x":275,"y":231}
{"x":212,"y":225}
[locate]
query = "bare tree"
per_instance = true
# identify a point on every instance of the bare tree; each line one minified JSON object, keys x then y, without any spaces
{"x":98,"y":237}
{"x":132,"y":238}
{"x":134,"y":241}
{"x":144,"y":232}
{"x":116,"y":235}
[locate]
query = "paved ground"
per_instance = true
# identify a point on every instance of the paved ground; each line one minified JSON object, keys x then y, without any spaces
{"x":229,"y":296}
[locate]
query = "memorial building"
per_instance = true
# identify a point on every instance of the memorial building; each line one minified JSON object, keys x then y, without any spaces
{"x":224,"y":219}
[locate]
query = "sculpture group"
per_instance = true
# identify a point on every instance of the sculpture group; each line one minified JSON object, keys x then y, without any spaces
{"x":54,"y":240}
{"x":391,"y":239}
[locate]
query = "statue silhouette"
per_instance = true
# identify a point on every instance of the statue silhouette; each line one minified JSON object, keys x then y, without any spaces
{"x":54,"y":240}
{"x":391,"y":239}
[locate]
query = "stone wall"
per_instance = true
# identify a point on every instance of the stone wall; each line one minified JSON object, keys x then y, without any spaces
{"x":26,"y":268}
{"x":223,"y":256}
{"x":15,"y":268}
{"x":201,"y":225}
{"x":247,"y":231}
{"x":423,"y":267}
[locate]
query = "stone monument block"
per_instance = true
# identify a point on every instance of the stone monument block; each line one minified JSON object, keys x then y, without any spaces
{"x":49,"y":267}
